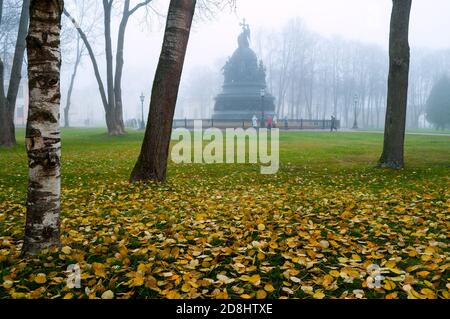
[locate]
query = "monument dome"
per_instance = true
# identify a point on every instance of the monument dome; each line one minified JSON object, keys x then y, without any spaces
{"x":244,"y":80}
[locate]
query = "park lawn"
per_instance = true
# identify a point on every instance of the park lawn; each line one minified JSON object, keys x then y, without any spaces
{"x":214,"y":231}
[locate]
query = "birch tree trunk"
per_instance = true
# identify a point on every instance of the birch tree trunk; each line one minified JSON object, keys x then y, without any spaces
{"x":397,"y":98}
{"x":152,"y":161}
{"x":42,"y":229}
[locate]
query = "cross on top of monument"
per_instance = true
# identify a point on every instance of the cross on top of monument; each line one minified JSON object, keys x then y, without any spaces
{"x":244,"y":25}
{"x":244,"y":38}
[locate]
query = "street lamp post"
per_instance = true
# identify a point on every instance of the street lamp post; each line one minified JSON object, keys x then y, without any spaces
{"x":263,"y":94}
{"x":355,"y":122}
{"x":142,"y":97}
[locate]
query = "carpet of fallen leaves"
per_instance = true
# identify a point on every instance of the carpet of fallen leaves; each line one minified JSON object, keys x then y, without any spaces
{"x":240,"y":236}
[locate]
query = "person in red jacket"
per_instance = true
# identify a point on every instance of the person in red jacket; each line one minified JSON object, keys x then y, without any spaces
{"x":269,"y":122}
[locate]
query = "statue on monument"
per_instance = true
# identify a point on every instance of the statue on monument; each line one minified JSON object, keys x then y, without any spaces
{"x":244,"y":79}
{"x":244,"y":37}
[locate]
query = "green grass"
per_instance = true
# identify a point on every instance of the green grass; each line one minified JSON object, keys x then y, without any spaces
{"x":414,"y":131}
{"x":90,"y":154}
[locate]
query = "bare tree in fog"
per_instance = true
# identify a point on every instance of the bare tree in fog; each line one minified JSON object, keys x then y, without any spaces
{"x":438,"y":104}
{"x":80,"y":50}
{"x":112,"y":95}
{"x":397,"y":98}
{"x":8,"y":101}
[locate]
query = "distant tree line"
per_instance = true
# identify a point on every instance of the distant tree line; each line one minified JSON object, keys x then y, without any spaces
{"x":314,"y":77}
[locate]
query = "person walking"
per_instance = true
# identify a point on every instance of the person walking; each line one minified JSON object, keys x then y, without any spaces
{"x":333,"y":124}
{"x":254,"y":121}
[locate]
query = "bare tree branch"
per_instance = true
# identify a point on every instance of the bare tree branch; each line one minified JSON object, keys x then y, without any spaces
{"x":92,"y":57}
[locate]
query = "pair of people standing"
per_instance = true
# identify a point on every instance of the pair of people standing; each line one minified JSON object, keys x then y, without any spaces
{"x":270,"y":122}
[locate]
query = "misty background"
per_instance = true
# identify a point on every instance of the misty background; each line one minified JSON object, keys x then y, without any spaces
{"x":323,"y":57}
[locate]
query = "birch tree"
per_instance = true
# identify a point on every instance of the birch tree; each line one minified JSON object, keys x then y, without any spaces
{"x":397,"y":98}
{"x":152,"y":161}
{"x":43,"y":144}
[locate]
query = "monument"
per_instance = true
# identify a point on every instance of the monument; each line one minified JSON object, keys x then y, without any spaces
{"x":244,"y":92}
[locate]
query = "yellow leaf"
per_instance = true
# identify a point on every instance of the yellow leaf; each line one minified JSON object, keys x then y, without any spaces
{"x":40,"y":278}
{"x":269,"y":288}
{"x":390,"y":264}
{"x":327,"y":280}
{"x":108,"y":294}
{"x":423,"y":273}
{"x":261,"y":227}
{"x":255,"y":279}
{"x":334,"y":273}
{"x":428,"y":292}
{"x":99,"y":269}
{"x":261,"y":294}
{"x":319,"y":294}
{"x":68,"y":296}
{"x":245,"y":296}
{"x":389,"y":285}
{"x":7,"y":284}
{"x":186,"y":287}
{"x":137,"y":281}
{"x":172,"y":294}
{"x":356,"y":257}
{"x":66,"y":250}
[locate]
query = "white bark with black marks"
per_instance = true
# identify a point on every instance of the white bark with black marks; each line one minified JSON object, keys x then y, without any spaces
{"x":43,"y":141}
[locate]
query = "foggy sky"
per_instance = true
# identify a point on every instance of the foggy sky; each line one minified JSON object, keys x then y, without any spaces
{"x":215,"y":39}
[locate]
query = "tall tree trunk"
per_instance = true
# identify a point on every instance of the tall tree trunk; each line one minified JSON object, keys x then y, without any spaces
{"x":397,"y":98}
{"x":152,"y":161}
{"x":5,"y":134}
{"x":72,"y":82}
{"x":43,"y":143}
{"x":9,"y":138}
{"x":115,"y":126}
{"x":3,"y":122}
{"x":1,"y":11}
{"x":119,"y":66}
